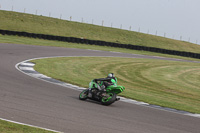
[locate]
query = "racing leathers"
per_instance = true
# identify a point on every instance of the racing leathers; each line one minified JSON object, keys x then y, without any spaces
{"x":105,"y":82}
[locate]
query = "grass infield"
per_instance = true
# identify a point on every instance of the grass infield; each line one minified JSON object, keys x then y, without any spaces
{"x":165,"y":83}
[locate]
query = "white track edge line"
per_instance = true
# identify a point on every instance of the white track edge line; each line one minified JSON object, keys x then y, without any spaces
{"x":30,"y":125}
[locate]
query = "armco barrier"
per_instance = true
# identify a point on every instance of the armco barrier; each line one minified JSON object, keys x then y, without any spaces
{"x":100,"y":43}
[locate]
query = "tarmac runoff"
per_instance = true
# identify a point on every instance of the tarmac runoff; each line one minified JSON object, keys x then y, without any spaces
{"x":26,"y":67}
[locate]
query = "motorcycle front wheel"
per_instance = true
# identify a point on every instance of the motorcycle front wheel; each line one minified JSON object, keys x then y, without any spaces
{"x":109,"y":98}
{"x":84,"y":94}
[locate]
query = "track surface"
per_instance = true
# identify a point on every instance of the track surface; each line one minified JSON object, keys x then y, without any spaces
{"x":32,"y":101}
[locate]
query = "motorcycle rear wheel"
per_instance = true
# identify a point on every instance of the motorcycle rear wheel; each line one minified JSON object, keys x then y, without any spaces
{"x":107,"y":100}
{"x":84,"y":94}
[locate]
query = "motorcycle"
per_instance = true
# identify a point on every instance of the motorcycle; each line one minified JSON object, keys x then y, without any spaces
{"x":99,"y":93}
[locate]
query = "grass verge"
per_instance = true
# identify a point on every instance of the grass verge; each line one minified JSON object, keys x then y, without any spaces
{"x":41,"y":42}
{"x":46,"y":25}
{"x":8,"y":127}
{"x":165,"y":83}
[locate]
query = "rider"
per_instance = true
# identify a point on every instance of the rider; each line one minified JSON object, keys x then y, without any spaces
{"x":108,"y":81}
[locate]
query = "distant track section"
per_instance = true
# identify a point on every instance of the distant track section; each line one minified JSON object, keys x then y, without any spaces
{"x":100,"y":43}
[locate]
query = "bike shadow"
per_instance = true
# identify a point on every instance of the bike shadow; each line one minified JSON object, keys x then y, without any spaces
{"x":92,"y":102}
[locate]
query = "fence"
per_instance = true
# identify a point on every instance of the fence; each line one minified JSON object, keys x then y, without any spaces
{"x":100,"y":43}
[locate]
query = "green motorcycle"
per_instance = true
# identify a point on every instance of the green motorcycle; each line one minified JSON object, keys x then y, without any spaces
{"x":98,"y":92}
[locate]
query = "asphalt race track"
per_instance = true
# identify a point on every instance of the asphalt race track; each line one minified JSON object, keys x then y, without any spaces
{"x":28,"y":100}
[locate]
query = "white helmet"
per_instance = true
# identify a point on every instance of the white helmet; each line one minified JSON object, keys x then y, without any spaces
{"x":111,"y":75}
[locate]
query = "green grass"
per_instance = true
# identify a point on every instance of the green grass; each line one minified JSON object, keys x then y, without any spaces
{"x":45,"y":25}
{"x":165,"y":83}
{"x":8,"y":127}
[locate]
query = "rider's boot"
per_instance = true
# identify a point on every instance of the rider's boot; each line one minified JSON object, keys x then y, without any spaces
{"x":90,"y":92}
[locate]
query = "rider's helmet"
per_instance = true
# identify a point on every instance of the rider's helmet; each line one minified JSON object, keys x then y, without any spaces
{"x":113,"y":79}
{"x":111,"y":75}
